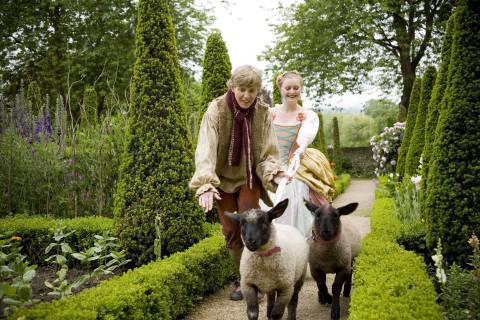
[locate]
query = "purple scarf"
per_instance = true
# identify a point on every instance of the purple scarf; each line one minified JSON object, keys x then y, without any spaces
{"x":240,"y":135}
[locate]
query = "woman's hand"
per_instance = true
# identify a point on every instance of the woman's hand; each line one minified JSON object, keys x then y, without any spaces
{"x":280,"y":175}
{"x":205,"y":200}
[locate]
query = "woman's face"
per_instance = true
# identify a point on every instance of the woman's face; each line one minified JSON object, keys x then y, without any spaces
{"x":245,"y":96}
{"x":291,"y":89}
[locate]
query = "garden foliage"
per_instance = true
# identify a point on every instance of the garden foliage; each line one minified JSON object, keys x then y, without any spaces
{"x":451,"y":207}
{"x":319,"y":141}
{"x":157,"y":162}
{"x":277,"y":96}
{"x":417,"y":140}
{"x":385,"y":148}
{"x":437,"y":103}
{"x":410,"y":125}
{"x":217,"y":69}
{"x":163,"y":289}
{"x":390,"y":281}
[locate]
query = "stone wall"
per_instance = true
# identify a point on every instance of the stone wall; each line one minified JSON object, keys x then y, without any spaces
{"x":357,"y":161}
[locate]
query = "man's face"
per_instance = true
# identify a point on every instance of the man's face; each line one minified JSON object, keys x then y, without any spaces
{"x":245,"y":96}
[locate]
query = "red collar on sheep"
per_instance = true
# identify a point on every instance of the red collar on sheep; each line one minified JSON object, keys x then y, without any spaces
{"x":316,"y":238}
{"x":268,"y":253}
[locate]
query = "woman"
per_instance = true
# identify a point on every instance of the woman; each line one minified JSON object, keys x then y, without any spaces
{"x":236,"y":158}
{"x":296,"y":128}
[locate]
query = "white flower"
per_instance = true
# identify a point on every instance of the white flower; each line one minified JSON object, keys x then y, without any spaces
{"x":393,"y":162}
{"x":442,"y":277}
{"x":416,"y":181}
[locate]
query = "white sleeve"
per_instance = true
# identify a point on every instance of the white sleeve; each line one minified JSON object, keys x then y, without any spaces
{"x":309,"y":129}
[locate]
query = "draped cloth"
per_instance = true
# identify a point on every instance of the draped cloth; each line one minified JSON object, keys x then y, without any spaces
{"x":241,"y":135}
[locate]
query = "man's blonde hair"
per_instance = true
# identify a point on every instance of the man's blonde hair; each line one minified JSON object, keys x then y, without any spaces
{"x":246,"y":76}
{"x":288,"y":74}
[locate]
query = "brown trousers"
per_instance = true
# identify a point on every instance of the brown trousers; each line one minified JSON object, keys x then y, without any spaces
{"x":239,"y":201}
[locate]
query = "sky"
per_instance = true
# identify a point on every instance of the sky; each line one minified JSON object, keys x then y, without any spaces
{"x":246,"y":30}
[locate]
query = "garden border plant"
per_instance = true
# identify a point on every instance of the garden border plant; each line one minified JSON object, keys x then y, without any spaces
{"x":388,"y":279}
{"x":163,"y":289}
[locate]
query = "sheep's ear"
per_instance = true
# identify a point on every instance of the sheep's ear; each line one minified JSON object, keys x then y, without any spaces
{"x":278,"y":210}
{"x":349,"y":208}
{"x":232,"y":216}
{"x":310,"y":206}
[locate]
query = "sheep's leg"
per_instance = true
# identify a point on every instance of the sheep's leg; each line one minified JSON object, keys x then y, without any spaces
{"x":321,"y":278}
{"x":283,"y":298}
{"x":340,"y":278}
{"x":292,"y":305}
{"x":347,"y":287}
{"x":250,"y":294}
{"x":270,"y":303}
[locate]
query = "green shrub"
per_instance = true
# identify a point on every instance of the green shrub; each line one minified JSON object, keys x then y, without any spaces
{"x":277,"y":96}
{"x":411,"y":118}
{"x":460,"y":296}
{"x":451,"y":207}
{"x":163,"y":289}
{"x":37,"y":232}
{"x":157,"y":163}
{"x":417,"y":141}
{"x":434,"y":108}
{"x":217,"y":69}
{"x":390,"y":283}
{"x":319,"y":141}
{"x":342,"y":183}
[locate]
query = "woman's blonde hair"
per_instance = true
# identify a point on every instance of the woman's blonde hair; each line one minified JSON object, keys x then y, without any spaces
{"x":246,"y":76}
{"x":288,"y":74}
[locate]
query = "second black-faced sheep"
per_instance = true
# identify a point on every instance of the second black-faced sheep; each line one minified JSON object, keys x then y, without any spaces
{"x":274,"y":261}
{"x":333,"y":246}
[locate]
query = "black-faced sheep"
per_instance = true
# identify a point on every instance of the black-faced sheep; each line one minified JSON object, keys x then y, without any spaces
{"x":333,"y":246}
{"x":273,"y":262}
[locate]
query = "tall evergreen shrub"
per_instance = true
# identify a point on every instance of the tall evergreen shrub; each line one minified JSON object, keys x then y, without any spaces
{"x":418,"y":136}
{"x":434,"y":108}
{"x":336,"y":146}
{"x":277,"y":96}
{"x":410,"y":125}
{"x":157,"y":161}
{"x":34,"y":96}
{"x":319,"y":141}
{"x":217,"y":69}
{"x":452,"y":203}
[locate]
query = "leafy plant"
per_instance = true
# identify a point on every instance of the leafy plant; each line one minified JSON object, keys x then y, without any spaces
{"x":16,"y":274}
{"x":405,"y":200}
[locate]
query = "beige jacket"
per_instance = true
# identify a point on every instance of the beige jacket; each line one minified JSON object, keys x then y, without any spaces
{"x":212,"y":170}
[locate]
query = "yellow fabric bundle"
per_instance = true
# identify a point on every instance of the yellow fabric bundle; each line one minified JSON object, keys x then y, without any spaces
{"x":316,"y":172}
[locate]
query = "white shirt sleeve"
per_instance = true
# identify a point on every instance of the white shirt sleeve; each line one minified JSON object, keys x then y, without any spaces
{"x":308,"y":130}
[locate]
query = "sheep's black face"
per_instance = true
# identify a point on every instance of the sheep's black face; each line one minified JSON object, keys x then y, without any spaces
{"x":255,"y":224}
{"x":326,"y":223}
{"x":255,"y":228}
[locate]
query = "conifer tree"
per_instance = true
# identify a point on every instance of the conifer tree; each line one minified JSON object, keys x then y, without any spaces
{"x":217,"y":69}
{"x":277,"y":96}
{"x":417,"y":141}
{"x":410,"y":125}
{"x":434,"y":107}
{"x":319,"y":142}
{"x":451,"y":207}
{"x":34,"y":96}
{"x":157,"y":161}
{"x":336,"y":146}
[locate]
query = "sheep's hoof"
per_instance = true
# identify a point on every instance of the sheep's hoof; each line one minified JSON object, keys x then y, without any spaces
{"x":324,"y":298}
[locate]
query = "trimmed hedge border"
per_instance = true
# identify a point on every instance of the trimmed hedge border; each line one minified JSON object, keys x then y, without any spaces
{"x":163,"y":289}
{"x":37,"y":233}
{"x":342,"y":183}
{"x":390,"y":282}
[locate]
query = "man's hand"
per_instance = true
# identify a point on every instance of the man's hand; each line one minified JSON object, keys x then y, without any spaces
{"x":280,"y":175}
{"x":205,"y":200}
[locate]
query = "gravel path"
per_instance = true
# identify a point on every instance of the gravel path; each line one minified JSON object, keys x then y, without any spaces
{"x":217,"y":306}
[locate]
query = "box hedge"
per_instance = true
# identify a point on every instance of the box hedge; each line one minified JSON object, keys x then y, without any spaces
{"x":390,"y":282}
{"x":37,"y":233}
{"x":163,"y":289}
